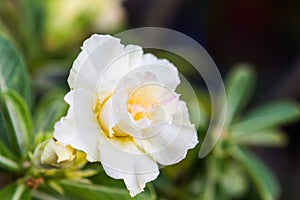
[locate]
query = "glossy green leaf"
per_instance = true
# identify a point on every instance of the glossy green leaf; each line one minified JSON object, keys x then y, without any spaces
{"x":13,"y":74}
{"x":7,"y":159}
{"x":23,"y":21}
{"x":17,"y":119}
{"x":82,"y":191}
{"x":239,"y":86}
{"x":15,"y":191}
{"x":261,"y":138}
{"x":9,"y":164}
{"x":266,"y":117}
{"x":262,"y":177}
{"x":49,"y":111}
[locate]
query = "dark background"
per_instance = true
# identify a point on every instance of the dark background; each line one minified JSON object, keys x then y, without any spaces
{"x":263,"y":33}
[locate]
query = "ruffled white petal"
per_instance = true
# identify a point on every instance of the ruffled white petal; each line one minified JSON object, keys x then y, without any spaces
{"x":80,"y":128}
{"x":117,"y":69}
{"x":83,"y":73}
{"x":124,"y":120}
{"x":124,"y":160}
{"x":135,"y":54}
{"x":96,"y":52}
{"x":102,"y":61}
{"x":107,"y":117}
{"x":165,"y":72}
{"x":65,"y":131}
{"x":146,"y":84}
{"x":95,"y":41}
{"x":168,"y":143}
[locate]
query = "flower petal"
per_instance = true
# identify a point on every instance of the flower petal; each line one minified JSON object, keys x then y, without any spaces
{"x":165,"y":72}
{"x":144,"y":86}
{"x":107,"y":117}
{"x":168,"y":143}
{"x":80,"y":127}
{"x":125,"y":121}
{"x":65,"y":131}
{"x":124,"y":160}
{"x":102,"y":57}
{"x":116,"y":70}
{"x":95,"y":55}
{"x":83,"y":77}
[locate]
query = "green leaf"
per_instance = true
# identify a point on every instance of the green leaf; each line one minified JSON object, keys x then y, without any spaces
{"x":56,"y":187}
{"x":13,"y":74}
{"x":8,"y":159}
{"x":239,"y":86}
{"x":82,"y":191}
{"x":261,"y":138}
{"x":43,"y":195}
{"x":262,"y":177}
{"x":49,"y":111}
{"x":4,"y":151}
{"x":267,"y":117}
{"x":9,"y":164}
{"x":15,"y":191}
{"x":17,"y":119}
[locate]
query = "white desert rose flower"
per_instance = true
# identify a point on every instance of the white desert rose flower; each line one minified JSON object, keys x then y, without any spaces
{"x":124,"y":111}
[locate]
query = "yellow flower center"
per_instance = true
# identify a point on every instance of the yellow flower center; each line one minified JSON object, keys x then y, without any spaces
{"x":141,"y":101}
{"x":118,"y":133}
{"x":139,"y":105}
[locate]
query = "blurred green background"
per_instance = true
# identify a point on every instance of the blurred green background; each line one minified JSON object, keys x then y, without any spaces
{"x":266,"y":34}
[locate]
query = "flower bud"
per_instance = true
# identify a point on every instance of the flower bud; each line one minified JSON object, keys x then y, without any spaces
{"x":52,"y":154}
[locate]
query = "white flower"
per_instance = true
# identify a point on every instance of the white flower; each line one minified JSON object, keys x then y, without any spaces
{"x":124,"y":111}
